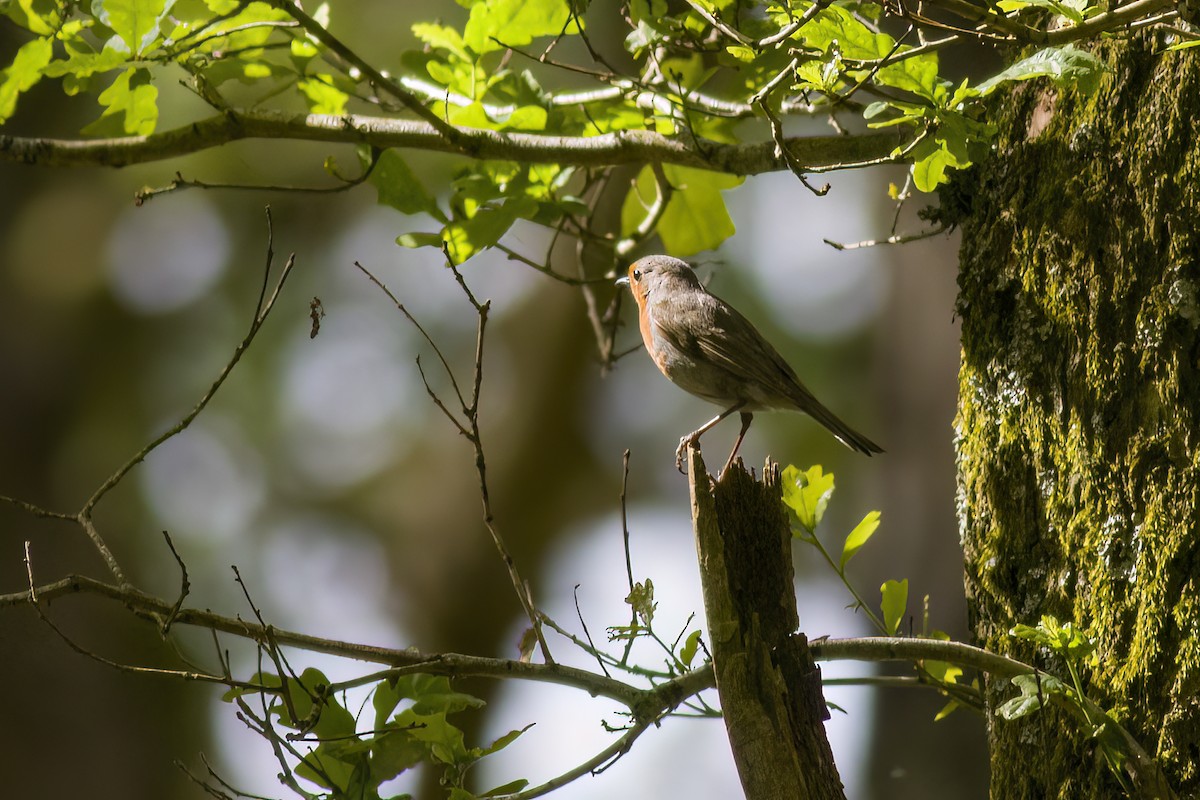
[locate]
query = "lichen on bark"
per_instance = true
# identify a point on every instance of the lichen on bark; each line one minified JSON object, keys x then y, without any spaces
{"x":1079,"y":409}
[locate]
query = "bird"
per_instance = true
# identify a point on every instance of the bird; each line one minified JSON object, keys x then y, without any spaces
{"x":707,"y":348}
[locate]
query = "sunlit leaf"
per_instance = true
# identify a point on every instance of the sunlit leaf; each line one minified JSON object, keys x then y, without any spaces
{"x":322,"y":97}
{"x":894,"y":603}
{"x":807,"y":494}
{"x":690,"y":646}
{"x":946,"y":711}
{"x":859,"y":536}
{"x":496,"y":24}
{"x":441,"y":37}
{"x":130,"y":106}
{"x":22,"y":74}
{"x":135,"y":22}
{"x":696,"y":218}
{"x":1064,"y":65}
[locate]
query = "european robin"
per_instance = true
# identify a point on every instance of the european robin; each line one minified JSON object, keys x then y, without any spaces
{"x":709,"y":349}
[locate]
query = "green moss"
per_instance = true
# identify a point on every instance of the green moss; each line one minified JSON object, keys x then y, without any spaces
{"x":1080,"y":408}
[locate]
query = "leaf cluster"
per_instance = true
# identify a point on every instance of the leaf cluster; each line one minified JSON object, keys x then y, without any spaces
{"x":698,"y":68}
{"x":410,"y":726}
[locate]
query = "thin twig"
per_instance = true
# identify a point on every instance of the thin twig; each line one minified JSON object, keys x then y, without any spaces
{"x":781,"y":149}
{"x":593,"y":765}
{"x":256,"y":324}
{"x":902,"y":239}
{"x":180,"y":182}
{"x":587,"y":633}
{"x":185,"y":588}
{"x":545,"y":268}
{"x":377,"y":78}
{"x":36,"y":510}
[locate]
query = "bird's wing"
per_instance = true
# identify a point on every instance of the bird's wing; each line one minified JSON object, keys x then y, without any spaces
{"x":714,"y":330}
{"x":709,"y":329}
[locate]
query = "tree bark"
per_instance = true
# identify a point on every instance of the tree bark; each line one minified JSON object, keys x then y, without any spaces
{"x":1079,"y":410}
{"x":769,"y":685}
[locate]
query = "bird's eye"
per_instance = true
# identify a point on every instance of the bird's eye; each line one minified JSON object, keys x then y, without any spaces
{"x":637,"y":274}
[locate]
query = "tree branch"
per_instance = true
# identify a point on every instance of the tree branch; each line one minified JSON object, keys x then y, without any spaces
{"x":620,"y":147}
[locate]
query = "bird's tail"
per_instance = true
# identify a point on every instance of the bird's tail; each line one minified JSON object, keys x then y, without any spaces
{"x":845,"y":434}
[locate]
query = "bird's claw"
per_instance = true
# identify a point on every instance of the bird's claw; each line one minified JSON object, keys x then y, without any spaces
{"x":681,"y":452}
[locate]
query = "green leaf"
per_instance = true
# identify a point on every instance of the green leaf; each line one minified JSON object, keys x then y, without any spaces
{"x":696,"y":218}
{"x":384,"y":700}
{"x":444,"y":741}
{"x":1076,"y":12}
{"x":512,"y":787}
{"x":130,"y":106}
{"x":496,"y":24}
{"x":929,"y":167}
{"x":23,"y":73}
{"x":527,"y":118}
{"x":895,"y":601}
{"x":135,"y":22}
{"x":1066,"y":66}
{"x":807,"y":494}
{"x":38,"y":17}
{"x":918,"y":75}
{"x":435,"y":695}
{"x":502,"y":742}
{"x":431,"y":694}
{"x":85,"y":64}
{"x":322,"y":97}
{"x":467,"y":237}
{"x":398,"y":187}
{"x":1035,"y":690}
{"x":1067,"y":639}
{"x":441,"y":37}
{"x":838,"y":26}
{"x":1184,"y":45}
{"x":859,"y":536}
{"x":641,"y":600}
{"x":415,"y":240}
{"x":690,"y":646}
{"x":946,"y":711}
{"x":332,"y":719}
{"x":394,"y":752}
{"x":942,"y":671}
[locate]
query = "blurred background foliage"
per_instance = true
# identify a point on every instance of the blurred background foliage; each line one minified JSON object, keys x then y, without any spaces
{"x":350,"y":505}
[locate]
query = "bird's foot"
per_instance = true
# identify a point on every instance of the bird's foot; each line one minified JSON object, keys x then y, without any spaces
{"x":681,"y":451}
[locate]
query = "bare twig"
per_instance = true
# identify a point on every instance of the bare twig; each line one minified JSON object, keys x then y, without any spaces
{"x":894,"y":239}
{"x":185,"y":588}
{"x":469,"y":427}
{"x":587,"y":633}
{"x":625,"y":542}
{"x":781,"y":149}
{"x":594,"y":765}
{"x":545,"y":268}
{"x":180,"y":182}
{"x":256,"y":323}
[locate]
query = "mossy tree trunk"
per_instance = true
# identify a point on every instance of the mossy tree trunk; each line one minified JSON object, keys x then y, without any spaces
{"x":1079,"y":410}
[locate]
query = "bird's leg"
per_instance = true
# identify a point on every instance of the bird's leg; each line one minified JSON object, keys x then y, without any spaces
{"x":746,"y":418}
{"x":694,"y":436}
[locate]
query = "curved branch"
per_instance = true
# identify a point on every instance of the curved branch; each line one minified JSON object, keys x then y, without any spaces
{"x":620,"y":147}
{"x":643,"y":702}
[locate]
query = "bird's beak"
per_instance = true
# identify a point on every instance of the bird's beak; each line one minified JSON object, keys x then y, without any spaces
{"x":622,"y":281}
